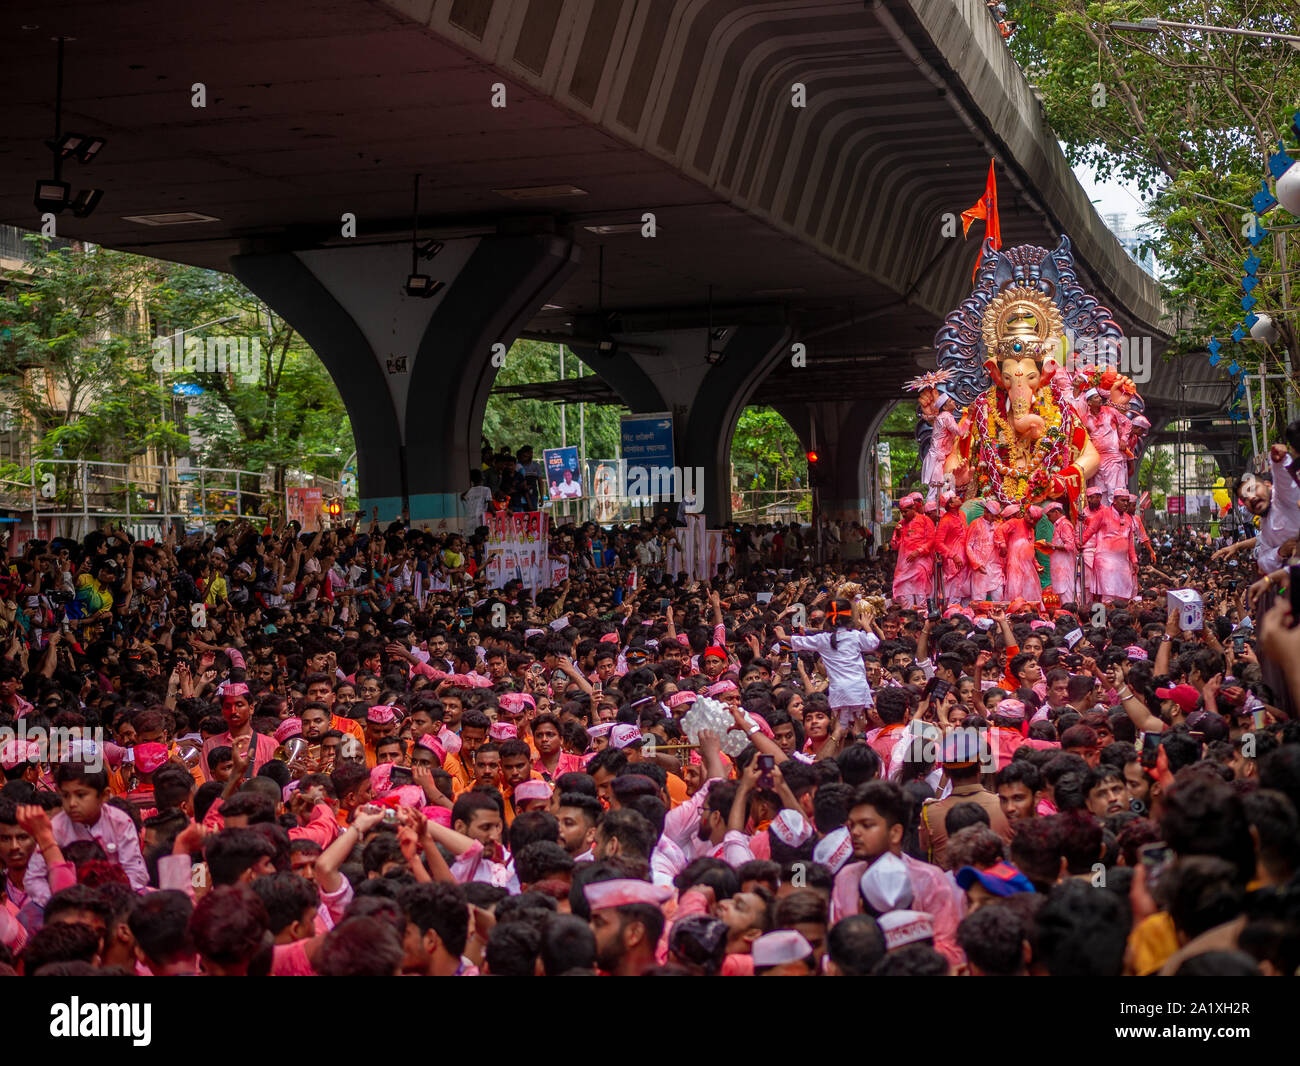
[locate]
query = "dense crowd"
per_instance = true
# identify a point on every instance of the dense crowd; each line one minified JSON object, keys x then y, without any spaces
{"x":336,"y":752}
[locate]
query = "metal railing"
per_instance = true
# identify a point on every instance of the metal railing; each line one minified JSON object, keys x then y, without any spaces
{"x":70,"y":497}
{"x":772,"y":505}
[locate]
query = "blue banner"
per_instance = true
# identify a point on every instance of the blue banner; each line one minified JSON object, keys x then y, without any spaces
{"x":648,"y":455}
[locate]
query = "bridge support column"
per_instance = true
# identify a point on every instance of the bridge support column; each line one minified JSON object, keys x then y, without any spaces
{"x":414,"y":373}
{"x":844,"y":434}
{"x":704,"y":396}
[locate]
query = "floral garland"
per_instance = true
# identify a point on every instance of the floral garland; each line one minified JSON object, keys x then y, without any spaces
{"x":1011,"y":470}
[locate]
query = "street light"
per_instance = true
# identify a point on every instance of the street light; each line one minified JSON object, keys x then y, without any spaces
{"x":1150,"y":25}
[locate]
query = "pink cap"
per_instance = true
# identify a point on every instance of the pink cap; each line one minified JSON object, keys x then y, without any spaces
{"x":381,"y":714}
{"x":503,"y":731}
{"x":515,"y":702}
{"x":428,"y":740}
{"x":13,"y":752}
{"x":1009,"y":708}
{"x":381,"y":778}
{"x":992,"y":507}
{"x":602,"y":730}
{"x":236,"y":658}
{"x":609,"y":638}
{"x":532,"y":790}
{"x":149,"y":756}
{"x":1035,"y":512}
{"x":230,"y":691}
{"x":441,"y":815}
{"x":720,"y":687}
{"x":1041,"y":623}
{"x":622,"y":891}
{"x":290,"y":727}
{"x":1011,"y":510}
{"x":625,"y":736}
{"x":678,"y":699}
{"x":450,"y":741}
{"x":1134,"y":652}
{"x":1053,"y":506}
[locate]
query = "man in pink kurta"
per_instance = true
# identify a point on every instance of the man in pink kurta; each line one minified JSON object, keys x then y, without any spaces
{"x":1088,"y":540}
{"x":982,"y":555}
{"x":914,"y":542}
{"x":1065,"y":552}
{"x":1021,"y":569}
{"x":1109,"y":432}
{"x":1115,"y":559}
{"x":950,"y":542}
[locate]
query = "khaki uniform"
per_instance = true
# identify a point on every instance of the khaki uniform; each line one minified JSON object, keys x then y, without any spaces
{"x":934,"y":837}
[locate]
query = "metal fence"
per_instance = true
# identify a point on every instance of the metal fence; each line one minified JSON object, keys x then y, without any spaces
{"x":71,"y":497}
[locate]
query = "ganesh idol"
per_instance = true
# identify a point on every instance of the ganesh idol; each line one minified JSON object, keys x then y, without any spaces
{"x":1004,"y":358}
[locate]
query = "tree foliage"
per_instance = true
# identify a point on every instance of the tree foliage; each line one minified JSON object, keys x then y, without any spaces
{"x":1191,"y":118}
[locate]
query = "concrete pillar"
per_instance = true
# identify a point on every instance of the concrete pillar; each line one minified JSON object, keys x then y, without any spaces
{"x":414,"y":373}
{"x":705,"y":397}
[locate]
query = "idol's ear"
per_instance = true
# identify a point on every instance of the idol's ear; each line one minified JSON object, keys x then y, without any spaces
{"x":995,"y":372}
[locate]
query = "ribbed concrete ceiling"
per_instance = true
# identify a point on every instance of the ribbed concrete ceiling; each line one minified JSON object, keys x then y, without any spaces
{"x":681,"y":107}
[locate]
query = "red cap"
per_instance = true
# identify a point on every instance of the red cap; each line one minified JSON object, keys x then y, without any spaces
{"x":1184,"y":695}
{"x":713,"y":653}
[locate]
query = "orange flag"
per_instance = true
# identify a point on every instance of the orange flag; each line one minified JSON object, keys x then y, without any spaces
{"x":986,"y":207}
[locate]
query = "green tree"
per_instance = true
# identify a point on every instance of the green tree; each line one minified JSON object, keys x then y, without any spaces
{"x":289,"y":415}
{"x":768,"y":460}
{"x":76,"y":344}
{"x":511,"y":422}
{"x":899,"y":429}
{"x":1191,"y":118}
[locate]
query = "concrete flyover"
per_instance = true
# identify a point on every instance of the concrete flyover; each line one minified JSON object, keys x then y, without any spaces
{"x":775,"y":224}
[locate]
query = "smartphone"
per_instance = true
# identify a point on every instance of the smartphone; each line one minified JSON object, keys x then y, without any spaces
{"x":1150,"y":749}
{"x":1238,"y":645}
{"x":941,"y":690}
{"x":766,"y":764}
{"x":400,"y":775}
{"x":1156,"y":858}
{"x":664,"y":604}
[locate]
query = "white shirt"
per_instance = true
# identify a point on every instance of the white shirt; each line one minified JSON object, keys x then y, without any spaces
{"x":1282,"y":521}
{"x":477,"y":501}
{"x":567,"y":490}
{"x":845,"y":669}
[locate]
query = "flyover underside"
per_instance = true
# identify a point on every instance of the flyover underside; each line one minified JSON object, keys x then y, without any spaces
{"x":802,"y":164}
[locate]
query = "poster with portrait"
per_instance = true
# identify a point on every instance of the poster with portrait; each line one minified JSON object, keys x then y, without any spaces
{"x":563,"y":473}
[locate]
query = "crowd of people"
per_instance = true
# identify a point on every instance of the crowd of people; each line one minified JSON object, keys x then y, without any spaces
{"x":270,"y":750}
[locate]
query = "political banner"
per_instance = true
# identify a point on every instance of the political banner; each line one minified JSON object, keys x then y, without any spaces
{"x":563,"y":473}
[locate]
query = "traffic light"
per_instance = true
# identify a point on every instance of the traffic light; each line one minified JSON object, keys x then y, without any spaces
{"x":813,"y":461}
{"x":334,"y":508}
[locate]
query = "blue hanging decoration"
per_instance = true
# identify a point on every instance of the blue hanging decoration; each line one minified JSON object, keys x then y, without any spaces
{"x":1247,"y":302}
{"x":1234,"y":369}
{"x":1251,"y":263}
{"x":1259,"y":234}
{"x":1214,"y":360}
{"x":1238,"y":334}
{"x":1295,"y":123}
{"x":1264,"y":200}
{"x":1250,"y":320}
{"x":1249,"y":282}
{"x":1279,"y":161}
{"x":1214,"y":347}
